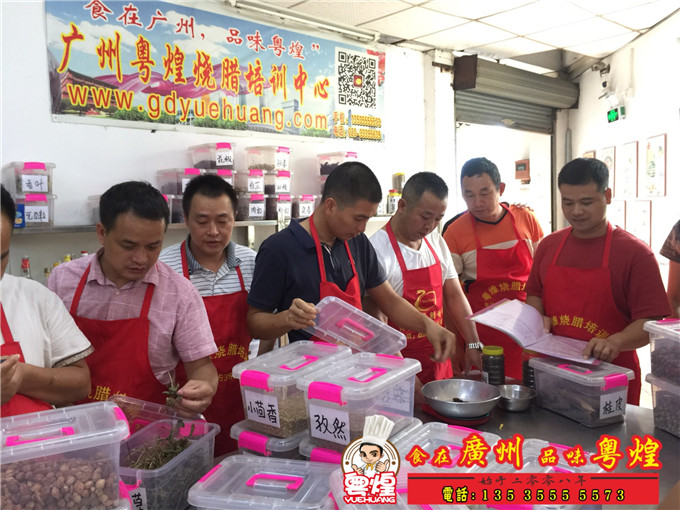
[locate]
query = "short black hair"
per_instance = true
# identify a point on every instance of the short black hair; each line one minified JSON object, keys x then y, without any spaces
{"x":209,"y":185}
{"x":137,"y":197}
{"x":420,"y":183}
{"x":479,"y":166}
{"x":350,"y":182}
{"x":9,"y":208}
{"x":581,"y":171}
{"x":382,"y":450}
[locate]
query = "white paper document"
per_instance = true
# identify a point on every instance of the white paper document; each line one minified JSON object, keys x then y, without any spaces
{"x":524,"y":325}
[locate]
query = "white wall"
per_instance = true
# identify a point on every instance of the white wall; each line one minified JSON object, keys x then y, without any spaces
{"x":91,"y":158}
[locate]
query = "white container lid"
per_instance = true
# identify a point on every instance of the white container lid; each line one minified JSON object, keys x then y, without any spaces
{"x":27,"y":436}
{"x":264,"y":443}
{"x":604,"y":375}
{"x":663,"y":384}
{"x":667,"y":328}
{"x":282,"y":367}
{"x":141,"y":413}
{"x":339,"y":322}
{"x":248,"y":482}
{"x":359,"y":377}
{"x":213,"y":146}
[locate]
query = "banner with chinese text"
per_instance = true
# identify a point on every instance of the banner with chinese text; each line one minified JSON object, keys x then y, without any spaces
{"x":162,"y":62}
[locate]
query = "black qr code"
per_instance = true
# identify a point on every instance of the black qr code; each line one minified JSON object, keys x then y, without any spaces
{"x":357,"y":79}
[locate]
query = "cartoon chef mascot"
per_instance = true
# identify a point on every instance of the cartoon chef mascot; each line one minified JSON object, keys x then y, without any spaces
{"x":372,"y":448}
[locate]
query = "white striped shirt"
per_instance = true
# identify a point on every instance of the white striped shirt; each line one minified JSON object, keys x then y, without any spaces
{"x":207,"y":282}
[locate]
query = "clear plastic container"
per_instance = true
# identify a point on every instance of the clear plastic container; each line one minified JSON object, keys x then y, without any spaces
{"x":176,"y":209}
{"x":211,"y":156}
{"x":166,"y":487}
{"x":21,"y":177}
{"x":257,"y":443}
{"x":229,"y":176}
{"x":93,"y":203}
{"x":303,"y":206}
{"x":268,"y":157}
{"x":666,"y":399}
{"x":330,"y":160}
{"x":173,"y":181}
{"x":37,"y":448}
{"x":664,"y":338}
{"x":253,"y":181}
{"x":247,"y":482}
{"x":593,"y":395}
{"x":273,"y":404}
{"x":34,"y":210}
{"x":278,"y":204}
{"x":140,"y":413}
{"x":251,"y":207}
{"x":279,"y":181}
{"x":340,"y":322}
{"x":339,"y":399}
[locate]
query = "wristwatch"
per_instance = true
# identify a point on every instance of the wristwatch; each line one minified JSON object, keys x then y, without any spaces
{"x":475,"y":345}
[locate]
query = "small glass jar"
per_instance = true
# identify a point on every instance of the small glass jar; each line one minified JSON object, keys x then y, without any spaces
{"x":528,"y":376}
{"x":493,"y":364}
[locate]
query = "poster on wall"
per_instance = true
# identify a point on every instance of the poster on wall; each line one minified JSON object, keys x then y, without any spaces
{"x":639,"y":220}
{"x":625,"y":179}
{"x":652,"y":178}
{"x":170,"y":63}
{"x":616,"y":213}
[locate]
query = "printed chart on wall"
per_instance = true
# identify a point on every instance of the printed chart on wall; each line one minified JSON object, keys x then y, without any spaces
{"x":168,"y":63}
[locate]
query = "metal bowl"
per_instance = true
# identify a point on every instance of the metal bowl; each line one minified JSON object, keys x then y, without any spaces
{"x":515,"y":397}
{"x":476,"y":398}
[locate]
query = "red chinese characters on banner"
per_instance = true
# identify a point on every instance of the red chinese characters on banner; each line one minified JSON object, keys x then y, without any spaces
{"x":144,"y":61}
{"x":75,"y":35}
{"x":417,"y":456}
{"x":277,"y":46}
{"x":295,"y":50}
{"x":509,"y":451}
{"x":231,"y":74}
{"x":255,"y":42}
{"x":186,"y":25}
{"x":608,"y":453}
{"x":98,"y":10}
{"x":156,"y":18}
{"x":278,"y":80}
{"x":299,"y":82}
{"x":203,"y":71}
{"x":254,"y":78}
{"x":548,"y":456}
{"x":108,"y":52}
{"x":234,"y":37}
{"x":130,"y":16}
{"x":474,"y":451}
{"x":320,"y":88}
{"x":575,"y":456}
{"x":644,"y":452}
{"x":441,"y":457}
{"x":173,"y":64}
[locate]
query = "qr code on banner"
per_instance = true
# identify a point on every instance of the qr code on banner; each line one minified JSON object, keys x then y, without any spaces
{"x":357,"y":79}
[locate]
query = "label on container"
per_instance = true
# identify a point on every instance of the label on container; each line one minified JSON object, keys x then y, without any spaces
{"x":224,"y":157}
{"x":398,"y":397}
{"x":613,"y":404}
{"x":282,"y":182}
{"x":256,"y":210}
{"x":329,"y":424}
{"x":255,"y":184}
{"x":138,"y":498}
{"x":33,"y":183}
{"x":281,"y":160}
{"x":306,"y":209}
{"x":262,"y":408}
{"x":36,"y":214}
{"x":283,"y":208}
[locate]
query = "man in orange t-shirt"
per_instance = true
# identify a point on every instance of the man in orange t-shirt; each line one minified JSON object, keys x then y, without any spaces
{"x":492,"y":246}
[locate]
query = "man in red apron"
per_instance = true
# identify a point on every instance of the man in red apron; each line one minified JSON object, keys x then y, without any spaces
{"x":593,"y":281}
{"x":222,"y":272}
{"x":419,"y":267}
{"x":328,"y":255}
{"x":492,"y":245}
{"x":42,"y":349}
{"x":141,"y":317}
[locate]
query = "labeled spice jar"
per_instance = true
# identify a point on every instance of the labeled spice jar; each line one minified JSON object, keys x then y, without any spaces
{"x":392,"y":201}
{"x":398,"y":180}
{"x":493,"y":364}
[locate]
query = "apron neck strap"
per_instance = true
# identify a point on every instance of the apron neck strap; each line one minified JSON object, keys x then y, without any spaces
{"x":79,"y":291}
{"x":319,"y":251}
{"x":4,"y":326}
{"x":185,"y":263}
{"x":474,"y":220}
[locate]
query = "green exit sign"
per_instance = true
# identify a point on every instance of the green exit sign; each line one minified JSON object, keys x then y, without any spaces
{"x":616,"y":114}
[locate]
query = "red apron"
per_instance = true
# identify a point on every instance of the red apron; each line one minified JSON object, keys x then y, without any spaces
{"x":584,"y":297}
{"x":423,"y":288}
{"x":227,"y":315}
{"x":352,"y":294}
{"x":500,"y":274}
{"x":18,"y":404}
{"x":120,"y":361}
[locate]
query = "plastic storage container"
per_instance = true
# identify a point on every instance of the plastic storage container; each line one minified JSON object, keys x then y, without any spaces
{"x":339,"y":399}
{"x":303,"y":206}
{"x":81,"y":441}
{"x":253,"y":181}
{"x":279,"y":181}
{"x":173,"y":181}
{"x":34,"y":210}
{"x":268,"y":157}
{"x":666,"y":398}
{"x":330,"y":160}
{"x":246,"y":482}
{"x":140,"y":413}
{"x":273,"y":404}
{"x":166,"y":487}
{"x":176,"y":209}
{"x":593,"y":395}
{"x":257,"y":443}
{"x":229,"y":176}
{"x":251,"y":206}
{"x":21,"y":177}
{"x":278,"y":204}
{"x":664,"y":337}
{"x":211,"y":156}
{"x":93,"y":203}
{"x":340,"y":322}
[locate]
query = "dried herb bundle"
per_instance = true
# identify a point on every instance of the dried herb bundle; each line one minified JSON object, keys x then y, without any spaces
{"x":171,"y":392}
{"x":161,"y":450}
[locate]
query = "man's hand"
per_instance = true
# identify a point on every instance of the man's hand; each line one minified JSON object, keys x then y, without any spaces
{"x":443,"y":341}
{"x":606,"y":349}
{"x":196,"y":397}
{"x":10,"y":377}
{"x":473,"y":357}
{"x":301,"y":314}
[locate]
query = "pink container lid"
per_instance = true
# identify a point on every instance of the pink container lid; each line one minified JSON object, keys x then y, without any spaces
{"x":192,"y":171}
{"x":34,"y":165}
{"x":223,"y":171}
{"x":255,"y":172}
{"x":283,"y":149}
{"x":257,"y":197}
{"x":284,"y":198}
{"x":36,"y":197}
{"x":223,"y":145}
{"x":307,"y":198}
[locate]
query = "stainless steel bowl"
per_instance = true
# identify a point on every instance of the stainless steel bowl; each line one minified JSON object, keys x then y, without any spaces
{"x":476,"y":398}
{"x":515,"y":397}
